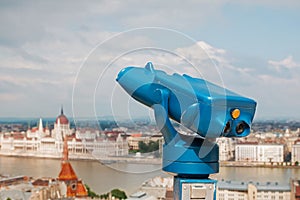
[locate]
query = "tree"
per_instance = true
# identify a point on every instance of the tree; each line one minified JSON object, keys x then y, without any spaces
{"x":153,"y":146}
{"x":91,"y":193}
{"x":150,"y":147}
{"x":143,"y":147}
{"x":104,"y":196}
{"x":296,"y":163}
{"x":118,"y":194}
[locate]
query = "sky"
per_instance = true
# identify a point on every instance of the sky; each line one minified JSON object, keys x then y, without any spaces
{"x":69,"y":53}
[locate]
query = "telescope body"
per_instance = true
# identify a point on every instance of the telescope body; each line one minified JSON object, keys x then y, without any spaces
{"x":209,"y":110}
{"x":199,"y":105}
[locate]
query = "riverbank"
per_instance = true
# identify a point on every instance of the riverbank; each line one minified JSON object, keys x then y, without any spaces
{"x":258,"y":164}
{"x":85,"y":157}
{"x":137,"y":159}
{"x":128,"y":177}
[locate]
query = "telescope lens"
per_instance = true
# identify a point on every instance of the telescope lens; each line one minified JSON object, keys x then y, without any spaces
{"x":240,"y":127}
{"x":227,"y":128}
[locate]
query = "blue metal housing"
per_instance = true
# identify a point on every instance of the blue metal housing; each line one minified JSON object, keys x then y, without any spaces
{"x":199,"y":105}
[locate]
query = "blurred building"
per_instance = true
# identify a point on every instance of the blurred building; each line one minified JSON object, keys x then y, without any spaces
{"x":162,"y":188}
{"x":24,"y":188}
{"x":295,"y":190}
{"x":155,"y":188}
{"x":61,"y":127}
{"x":135,"y":138}
{"x":233,"y":190}
{"x":42,"y":142}
{"x":253,"y":152}
{"x":295,"y":154}
{"x":38,"y":132}
{"x":226,"y":148}
{"x":74,"y":187}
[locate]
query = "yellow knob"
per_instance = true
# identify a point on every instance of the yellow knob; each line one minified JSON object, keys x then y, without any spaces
{"x":235,"y":113}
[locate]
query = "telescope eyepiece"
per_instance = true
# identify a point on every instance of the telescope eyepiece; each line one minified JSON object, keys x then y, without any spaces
{"x":241,"y":127}
{"x":227,"y":128}
{"x":236,"y":129}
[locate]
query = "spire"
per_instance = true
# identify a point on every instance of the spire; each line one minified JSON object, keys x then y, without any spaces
{"x":65,"y":150}
{"x":62,"y":110}
{"x":40,"y":125}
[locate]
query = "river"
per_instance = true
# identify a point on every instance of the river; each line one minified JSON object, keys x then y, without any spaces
{"x":103,"y":178}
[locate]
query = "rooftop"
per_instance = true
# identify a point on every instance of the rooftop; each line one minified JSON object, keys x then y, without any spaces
{"x":261,"y":186}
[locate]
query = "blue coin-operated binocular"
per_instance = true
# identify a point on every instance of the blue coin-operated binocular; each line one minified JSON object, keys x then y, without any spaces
{"x":206,"y":109}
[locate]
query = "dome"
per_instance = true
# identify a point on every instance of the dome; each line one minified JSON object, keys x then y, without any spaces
{"x":62,"y":118}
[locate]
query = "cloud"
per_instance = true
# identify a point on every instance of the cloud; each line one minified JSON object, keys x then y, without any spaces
{"x":37,"y":21}
{"x":96,"y":90}
{"x":270,"y":83}
{"x":43,"y":44}
{"x":216,"y":64}
{"x":34,"y":21}
{"x":202,"y":51}
{"x":285,"y":69}
{"x":287,"y":63}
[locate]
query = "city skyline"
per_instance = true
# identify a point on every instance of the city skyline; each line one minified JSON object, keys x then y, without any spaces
{"x":55,"y":53}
